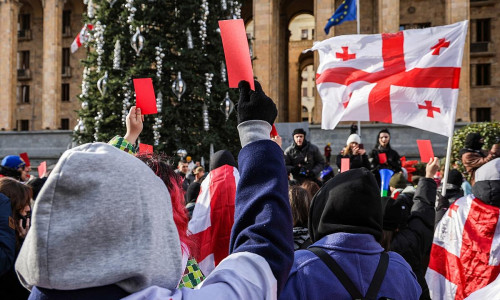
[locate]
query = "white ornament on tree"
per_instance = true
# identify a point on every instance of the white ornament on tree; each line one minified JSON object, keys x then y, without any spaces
{"x":206,"y":125}
{"x":102,"y":84}
{"x":80,"y":127}
{"x":129,"y":5}
{"x":117,"y":55}
{"x":159,"y":61}
{"x":99,"y":38}
{"x":223,"y":4}
{"x":137,"y":41}
{"x":223,"y":71}
{"x":203,"y":22}
{"x":179,"y":86}
{"x":189,"y":39}
{"x":208,"y":83}
{"x":227,"y":106}
{"x":90,"y":9}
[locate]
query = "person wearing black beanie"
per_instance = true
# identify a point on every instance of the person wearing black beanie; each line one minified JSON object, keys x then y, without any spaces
{"x":473,"y":156}
{"x":345,"y":223}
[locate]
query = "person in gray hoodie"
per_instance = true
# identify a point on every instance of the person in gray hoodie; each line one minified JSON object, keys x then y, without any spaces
{"x":102,"y":225}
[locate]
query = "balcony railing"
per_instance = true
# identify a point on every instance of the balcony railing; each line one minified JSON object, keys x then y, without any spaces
{"x":23,"y":74}
{"x":24,"y":34}
{"x":66,"y":71}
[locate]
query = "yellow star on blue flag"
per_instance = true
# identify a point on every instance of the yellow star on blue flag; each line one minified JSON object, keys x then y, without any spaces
{"x":345,"y":12}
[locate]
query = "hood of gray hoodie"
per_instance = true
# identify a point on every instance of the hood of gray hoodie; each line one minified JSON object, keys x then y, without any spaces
{"x":103,"y":217}
{"x":487,"y":185}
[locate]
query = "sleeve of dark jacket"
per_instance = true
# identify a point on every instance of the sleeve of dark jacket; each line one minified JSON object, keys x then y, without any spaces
{"x":262,"y":216}
{"x":7,"y":236}
{"x":420,"y":230}
{"x":288,"y":160}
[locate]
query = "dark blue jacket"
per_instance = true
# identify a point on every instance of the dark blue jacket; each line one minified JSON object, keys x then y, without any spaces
{"x":358,"y":255}
{"x":262,"y":215}
{"x":7,"y":236}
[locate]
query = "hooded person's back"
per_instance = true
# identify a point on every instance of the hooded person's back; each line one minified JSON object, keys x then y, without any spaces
{"x":466,"y":239}
{"x":345,"y":221}
{"x":96,"y":232}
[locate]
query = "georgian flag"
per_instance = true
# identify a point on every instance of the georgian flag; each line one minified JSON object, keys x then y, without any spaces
{"x":409,"y":78}
{"x":81,"y":38}
{"x":465,"y":254}
{"x":213,"y":216}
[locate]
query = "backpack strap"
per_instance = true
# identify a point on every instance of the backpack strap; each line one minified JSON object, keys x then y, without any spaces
{"x":375,"y":284}
{"x":337,"y":271}
{"x":378,"y":277}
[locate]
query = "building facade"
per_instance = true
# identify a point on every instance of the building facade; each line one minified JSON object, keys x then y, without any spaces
{"x":40,"y":78}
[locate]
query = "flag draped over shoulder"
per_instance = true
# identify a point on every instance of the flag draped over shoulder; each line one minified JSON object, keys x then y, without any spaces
{"x":465,"y":254}
{"x":345,"y":12}
{"x":81,"y":38}
{"x":409,"y":78}
{"x":213,"y":216}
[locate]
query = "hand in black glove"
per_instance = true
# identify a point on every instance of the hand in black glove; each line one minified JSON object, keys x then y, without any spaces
{"x":255,"y":105}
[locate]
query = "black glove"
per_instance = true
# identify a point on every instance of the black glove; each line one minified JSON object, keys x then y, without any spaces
{"x":255,"y":105}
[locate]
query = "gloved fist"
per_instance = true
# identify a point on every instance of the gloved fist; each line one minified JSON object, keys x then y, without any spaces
{"x":255,"y":105}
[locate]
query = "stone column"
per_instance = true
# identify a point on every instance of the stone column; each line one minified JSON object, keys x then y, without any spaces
{"x":388,"y":16}
{"x":323,"y":9}
{"x":52,"y":63}
{"x":9,"y":10}
{"x":456,"y":11}
{"x":266,"y":47}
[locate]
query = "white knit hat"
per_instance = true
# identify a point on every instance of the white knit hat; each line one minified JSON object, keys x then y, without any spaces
{"x":353,"y":138}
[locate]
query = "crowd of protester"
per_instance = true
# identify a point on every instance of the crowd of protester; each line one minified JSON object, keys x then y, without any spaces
{"x":110,"y":223}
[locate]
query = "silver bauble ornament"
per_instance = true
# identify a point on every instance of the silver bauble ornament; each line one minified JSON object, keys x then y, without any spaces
{"x":85,"y":105}
{"x":179,"y":86}
{"x":227,"y":106}
{"x":137,"y":41}
{"x":102,"y":84}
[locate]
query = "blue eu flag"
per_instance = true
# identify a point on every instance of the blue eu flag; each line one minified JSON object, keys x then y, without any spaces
{"x":345,"y":12}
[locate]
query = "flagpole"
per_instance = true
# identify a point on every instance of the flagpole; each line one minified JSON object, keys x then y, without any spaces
{"x":358,"y":30}
{"x":447,"y":166}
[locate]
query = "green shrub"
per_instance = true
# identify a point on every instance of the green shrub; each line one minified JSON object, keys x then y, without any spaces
{"x":488,"y":130}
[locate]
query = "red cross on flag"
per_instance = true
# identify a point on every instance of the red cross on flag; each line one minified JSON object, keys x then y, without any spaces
{"x":465,"y":255}
{"x":409,"y":78}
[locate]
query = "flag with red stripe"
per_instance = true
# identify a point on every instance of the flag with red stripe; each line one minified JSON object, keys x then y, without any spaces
{"x":82,"y":37}
{"x":465,"y":255}
{"x":213,"y":216}
{"x":409,"y":78}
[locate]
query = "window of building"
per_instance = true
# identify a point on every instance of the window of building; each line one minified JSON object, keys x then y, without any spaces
{"x":66,"y":22}
{"x":24,"y":60}
{"x":483,"y":30}
{"x":65,"y":124}
{"x":25,"y":125}
{"x":312,"y":33}
{"x":24,"y":21}
{"x":304,"y":92}
{"x":304,"y":34}
{"x":483,"y":74}
{"x":483,"y":114}
{"x":65,"y":58}
{"x":24,"y":94}
{"x":65,"y":92}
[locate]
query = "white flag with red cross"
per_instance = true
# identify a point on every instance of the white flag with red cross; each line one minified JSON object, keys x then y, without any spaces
{"x":82,"y":37}
{"x":465,"y":254}
{"x":409,"y":78}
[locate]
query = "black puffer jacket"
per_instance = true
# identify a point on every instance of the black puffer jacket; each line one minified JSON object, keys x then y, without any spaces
{"x":414,"y":241}
{"x":307,"y":156}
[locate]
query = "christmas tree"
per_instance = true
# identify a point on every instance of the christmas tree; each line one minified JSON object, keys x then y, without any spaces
{"x":178,"y":45}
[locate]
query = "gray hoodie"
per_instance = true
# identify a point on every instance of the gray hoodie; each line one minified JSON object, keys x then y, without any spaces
{"x":103,"y":217}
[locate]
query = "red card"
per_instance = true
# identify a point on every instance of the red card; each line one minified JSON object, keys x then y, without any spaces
{"x":344,"y":165}
{"x":236,"y":51}
{"x":26,"y":159}
{"x":145,"y":97}
{"x":42,"y":169}
{"x":425,"y":149}
{"x":145,"y":149}
{"x":382,"y":158}
{"x":274,"y":132}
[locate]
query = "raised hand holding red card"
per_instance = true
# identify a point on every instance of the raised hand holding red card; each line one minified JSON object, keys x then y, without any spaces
{"x":236,"y":51}
{"x":425,"y":149}
{"x":145,"y":97}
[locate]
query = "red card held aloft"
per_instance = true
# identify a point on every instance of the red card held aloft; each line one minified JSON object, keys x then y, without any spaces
{"x":236,"y":51}
{"x":344,"y":164}
{"x":145,"y":149}
{"x":382,"y":158}
{"x":425,"y":149}
{"x":25,"y":158}
{"x":274,"y":132}
{"x":145,"y":97}
{"x":42,"y":169}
